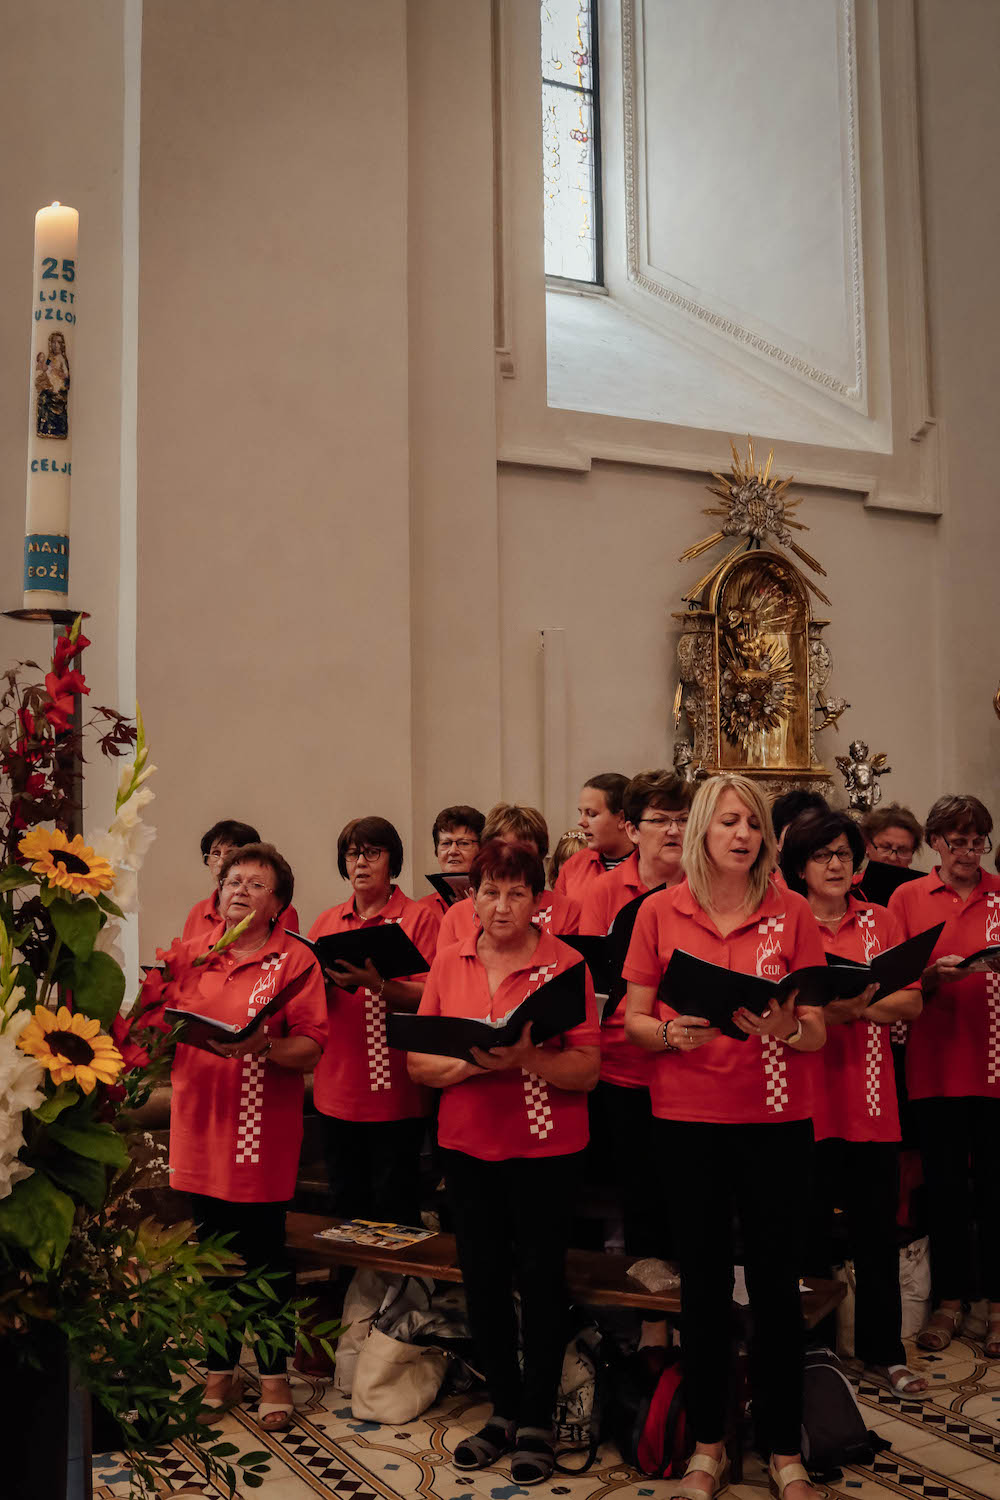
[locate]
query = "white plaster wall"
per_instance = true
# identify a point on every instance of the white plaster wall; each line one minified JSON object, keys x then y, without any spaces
{"x":274,"y":586}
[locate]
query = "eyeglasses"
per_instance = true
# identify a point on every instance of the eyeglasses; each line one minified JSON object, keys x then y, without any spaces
{"x":827,"y":856}
{"x":963,"y":846}
{"x":678,"y":823}
{"x":894,"y":851}
{"x":457,"y":844}
{"x":368,"y":852}
{"x":253,"y":887}
{"x":221,"y":852}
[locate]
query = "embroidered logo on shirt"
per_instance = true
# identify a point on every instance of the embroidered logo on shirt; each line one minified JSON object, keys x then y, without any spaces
{"x":992,"y":1028}
{"x":769,"y":929}
{"x":248,"y":1126}
{"x":873,"y":1070}
{"x":993,"y":917}
{"x":866,"y":922}
{"x":536,"y":1090}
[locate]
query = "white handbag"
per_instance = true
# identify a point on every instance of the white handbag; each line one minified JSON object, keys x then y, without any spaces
{"x":395,"y":1382}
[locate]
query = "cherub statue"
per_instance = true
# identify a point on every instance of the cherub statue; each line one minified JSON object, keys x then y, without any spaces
{"x":861,"y":775}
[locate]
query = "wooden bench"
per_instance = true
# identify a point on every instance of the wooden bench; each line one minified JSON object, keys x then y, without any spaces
{"x":595,"y":1278}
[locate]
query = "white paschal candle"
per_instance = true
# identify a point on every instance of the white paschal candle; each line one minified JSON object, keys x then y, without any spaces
{"x":54,"y":309}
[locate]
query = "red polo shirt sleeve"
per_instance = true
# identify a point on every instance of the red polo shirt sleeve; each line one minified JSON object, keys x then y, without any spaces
{"x":953,"y":1047}
{"x":497,"y":1116}
{"x":360,"y":1077}
{"x":857,"y":1097}
{"x":758,"y":1081}
{"x":236,"y":1122}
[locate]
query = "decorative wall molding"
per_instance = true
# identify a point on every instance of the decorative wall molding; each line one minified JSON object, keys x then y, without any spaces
{"x":639,"y":272}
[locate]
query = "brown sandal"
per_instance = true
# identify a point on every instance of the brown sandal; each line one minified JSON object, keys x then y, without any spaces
{"x":942,"y":1326}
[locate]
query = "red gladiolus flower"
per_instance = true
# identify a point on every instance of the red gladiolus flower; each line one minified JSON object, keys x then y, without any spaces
{"x":66,"y":650}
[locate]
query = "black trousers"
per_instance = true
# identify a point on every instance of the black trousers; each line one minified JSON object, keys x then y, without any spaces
{"x":622,"y":1140}
{"x":762,"y":1173}
{"x":373,"y":1167}
{"x":258,"y":1235}
{"x":960,"y":1150}
{"x":861,"y":1178}
{"x":512,"y":1220}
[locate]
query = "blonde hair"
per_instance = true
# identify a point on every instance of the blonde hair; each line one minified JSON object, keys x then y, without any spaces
{"x":695,"y":859}
{"x":507,"y":819}
{"x":571,"y":842}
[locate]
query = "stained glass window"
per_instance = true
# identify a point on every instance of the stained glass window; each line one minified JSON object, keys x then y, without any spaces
{"x":570,"y":145}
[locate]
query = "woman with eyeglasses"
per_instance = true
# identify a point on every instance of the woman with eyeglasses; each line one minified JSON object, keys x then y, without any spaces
{"x":656,"y":805}
{"x":953,"y":1068}
{"x":456,"y":833}
{"x":554,"y":912}
{"x":733,"y":1123}
{"x":216,"y":845}
{"x":236,"y":1114}
{"x":856,"y":1121}
{"x":374,"y":1117}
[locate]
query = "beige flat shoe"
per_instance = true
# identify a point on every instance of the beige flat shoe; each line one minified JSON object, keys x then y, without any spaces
{"x":941,"y":1327}
{"x":717,"y":1470}
{"x":778,"y":1480}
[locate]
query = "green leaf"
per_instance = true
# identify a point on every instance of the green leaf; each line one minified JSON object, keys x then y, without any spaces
{"x":106,"y":904}
{"x":37,"y":1217}
{"x":256,"y":1459}
{"x":96,"y":1143}
{"x":64,"y":1096}
{"x":98,"y":986}
{"x":77,"y":923}
{"x":86,"y":1180}
{"x":14,"y":876}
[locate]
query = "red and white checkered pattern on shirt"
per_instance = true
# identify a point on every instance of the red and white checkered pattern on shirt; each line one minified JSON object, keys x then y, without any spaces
{"x":248,"y":1127}
{"x":775,"y":1074}
{"x":873,"y":1069}
{"x":992,"y":1028}
{"x":536,"y":1090}
{"x":379,"y":1071}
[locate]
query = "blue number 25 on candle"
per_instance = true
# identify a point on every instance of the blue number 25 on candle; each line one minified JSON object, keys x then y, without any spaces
{"x":51,"y":274}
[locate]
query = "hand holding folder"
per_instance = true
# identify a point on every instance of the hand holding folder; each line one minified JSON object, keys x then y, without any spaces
{"x":550,"y":1010}
{"x":385,"y":945}
{"x":208,"y":1032}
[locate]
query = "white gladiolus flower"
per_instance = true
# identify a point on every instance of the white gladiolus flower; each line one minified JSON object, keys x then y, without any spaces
{"x":20,"y":1080}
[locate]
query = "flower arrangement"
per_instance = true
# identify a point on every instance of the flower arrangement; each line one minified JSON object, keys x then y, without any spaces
{"x":131,"y":1300}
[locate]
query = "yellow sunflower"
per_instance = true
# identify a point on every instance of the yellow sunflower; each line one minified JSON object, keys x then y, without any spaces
{"x":71,"y":1047}
{"x":67,"y":863}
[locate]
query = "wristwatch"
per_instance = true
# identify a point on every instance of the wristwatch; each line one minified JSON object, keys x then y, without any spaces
{"x":266,"y":1048}
{"x":796,"y":1035}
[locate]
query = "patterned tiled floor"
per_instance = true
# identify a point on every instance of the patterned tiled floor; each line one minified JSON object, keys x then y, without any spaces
{"x":946,"y":1447}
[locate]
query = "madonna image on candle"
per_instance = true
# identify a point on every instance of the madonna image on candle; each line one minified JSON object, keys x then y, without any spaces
{"x":52,"y":389}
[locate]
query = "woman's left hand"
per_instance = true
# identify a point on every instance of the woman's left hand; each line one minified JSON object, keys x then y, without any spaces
{"x":349,"y":977}
{"x":255,"y":1042}
{"x":498,"y":1059}
{"x":780,"y":1020}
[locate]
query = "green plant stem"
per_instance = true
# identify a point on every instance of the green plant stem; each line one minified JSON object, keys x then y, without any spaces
{"x":50,"y":971}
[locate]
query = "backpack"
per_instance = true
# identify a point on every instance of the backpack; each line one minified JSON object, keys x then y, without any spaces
{"x":833,"y":1428}
{"x":581,"y":1404}
{"x":648,"y":1421}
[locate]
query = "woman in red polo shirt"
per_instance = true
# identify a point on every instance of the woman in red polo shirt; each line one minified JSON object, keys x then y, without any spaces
{"x":733,"y":1120}
{"x":374,"y":1117}
{"x":856,"y":1119}
{"x":953,"y":1068}
{"x":657,"y":805}
{"x":512,"y":1128}
{"x":524,"y":825}
{"x":204,"y":919}
{"x":236,"y":1118}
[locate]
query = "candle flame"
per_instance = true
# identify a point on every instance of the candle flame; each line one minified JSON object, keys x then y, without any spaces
{"x":55,"y":204}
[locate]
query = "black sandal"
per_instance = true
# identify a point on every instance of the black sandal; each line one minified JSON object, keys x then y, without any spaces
{"x":533,"y":1459}
{"x":484,"y":1447}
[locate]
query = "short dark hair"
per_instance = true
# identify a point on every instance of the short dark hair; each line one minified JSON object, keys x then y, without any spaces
{"x":662,"y":789}
{"x":459,"y":816}
{"x":499,"y":861}
{"x":265,"y":854}
{"x":810,"y":831}
{"x":612,"y":784}
{"x":961,"y":813}
{"x":790,"y":804}
{"x":370,"y":830}
{"x":892,"y":816}
{"x":233,"y":832}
